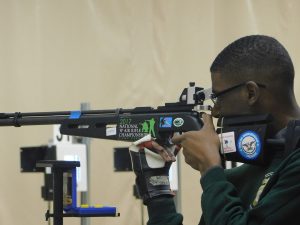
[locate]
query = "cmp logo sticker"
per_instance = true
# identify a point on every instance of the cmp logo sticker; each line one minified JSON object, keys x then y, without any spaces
{"x":178,"y":122}
{"x":249,"y":145}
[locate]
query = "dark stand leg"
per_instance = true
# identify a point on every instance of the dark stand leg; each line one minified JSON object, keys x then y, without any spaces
{"x":58,"y":196}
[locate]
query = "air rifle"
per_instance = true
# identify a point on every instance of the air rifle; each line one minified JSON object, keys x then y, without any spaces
{"x":243,"y":138}
{"x":123,"y":124}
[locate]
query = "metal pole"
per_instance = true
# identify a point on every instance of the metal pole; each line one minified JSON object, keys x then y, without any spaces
{"x":177,"y":198}
{"x":85,"y":196}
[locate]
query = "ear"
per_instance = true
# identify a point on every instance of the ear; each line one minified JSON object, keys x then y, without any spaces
{"x":253,"y":92}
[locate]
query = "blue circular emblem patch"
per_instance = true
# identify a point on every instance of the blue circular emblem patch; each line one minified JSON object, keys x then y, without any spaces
{"x":249,"y":145}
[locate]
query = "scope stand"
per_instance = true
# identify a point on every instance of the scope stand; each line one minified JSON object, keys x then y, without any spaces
{"x":58,"y":168}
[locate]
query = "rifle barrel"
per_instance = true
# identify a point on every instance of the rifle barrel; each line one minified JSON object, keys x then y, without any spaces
{"x":46,"y":120}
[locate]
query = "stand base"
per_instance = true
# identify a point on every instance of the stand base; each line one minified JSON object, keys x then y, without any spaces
{"x":80,"y":213}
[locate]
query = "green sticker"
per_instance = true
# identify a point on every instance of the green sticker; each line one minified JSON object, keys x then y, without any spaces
{"x":134,"y":129}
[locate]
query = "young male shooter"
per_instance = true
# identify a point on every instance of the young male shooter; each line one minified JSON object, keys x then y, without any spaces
{"x":252,"y":75}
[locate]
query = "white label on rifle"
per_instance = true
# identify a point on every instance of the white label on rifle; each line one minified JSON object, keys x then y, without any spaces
{"x":110,"y":131}
{"x":227,"y":142}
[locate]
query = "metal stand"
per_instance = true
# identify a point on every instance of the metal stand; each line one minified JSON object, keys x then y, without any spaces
{"x":58,"y":168}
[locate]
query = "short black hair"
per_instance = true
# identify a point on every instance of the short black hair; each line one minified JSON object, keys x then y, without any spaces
{"x":256,"y":57}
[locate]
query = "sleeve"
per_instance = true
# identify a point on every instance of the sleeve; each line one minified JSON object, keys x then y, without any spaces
{"x":222,"y":205}
{"x":162,"y":211}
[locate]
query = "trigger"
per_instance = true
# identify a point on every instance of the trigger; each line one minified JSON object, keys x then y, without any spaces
{"x":166,"y":141}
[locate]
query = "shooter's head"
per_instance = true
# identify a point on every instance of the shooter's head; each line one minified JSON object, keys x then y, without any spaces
{"x":254,"y":74}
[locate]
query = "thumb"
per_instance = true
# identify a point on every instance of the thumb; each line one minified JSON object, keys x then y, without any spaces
{"x":208,"y":122}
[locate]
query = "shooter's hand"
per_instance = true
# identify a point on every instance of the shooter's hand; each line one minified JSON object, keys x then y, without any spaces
{"x":151,"y":163}
{"x":201,"y":148}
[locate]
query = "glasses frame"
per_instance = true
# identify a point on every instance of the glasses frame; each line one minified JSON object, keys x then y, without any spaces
{"x":214,"y":96}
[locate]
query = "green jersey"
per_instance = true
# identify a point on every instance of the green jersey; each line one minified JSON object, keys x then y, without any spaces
{"x":243,"y":195}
